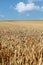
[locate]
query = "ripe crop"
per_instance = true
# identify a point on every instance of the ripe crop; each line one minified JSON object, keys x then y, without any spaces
{"x":21,"y":47}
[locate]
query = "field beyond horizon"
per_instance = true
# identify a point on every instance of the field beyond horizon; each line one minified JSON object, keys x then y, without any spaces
{"x":21,"y":42}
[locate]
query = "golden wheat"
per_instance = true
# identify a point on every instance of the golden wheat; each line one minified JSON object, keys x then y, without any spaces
{"x":21,"y":47}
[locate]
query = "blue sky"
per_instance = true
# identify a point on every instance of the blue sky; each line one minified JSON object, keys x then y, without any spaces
{"x":21,"y":9}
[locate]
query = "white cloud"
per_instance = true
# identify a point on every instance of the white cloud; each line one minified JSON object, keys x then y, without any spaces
{"x":2,"y":16}
{"x":22,"y":7}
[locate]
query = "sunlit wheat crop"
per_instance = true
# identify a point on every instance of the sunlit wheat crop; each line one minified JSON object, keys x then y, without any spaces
{"x":21,"y":44}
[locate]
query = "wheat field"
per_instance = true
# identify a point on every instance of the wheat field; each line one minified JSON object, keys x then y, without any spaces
{"x":21,"y":42}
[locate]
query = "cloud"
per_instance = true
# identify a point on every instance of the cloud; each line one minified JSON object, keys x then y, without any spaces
{"x":2,"y":16}
{"x":22,"y":7}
